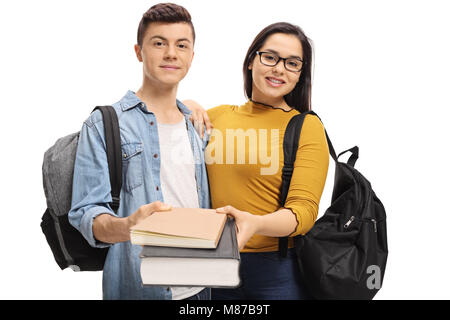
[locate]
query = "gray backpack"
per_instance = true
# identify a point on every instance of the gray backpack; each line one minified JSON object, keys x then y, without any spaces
{"x":69,"y":247}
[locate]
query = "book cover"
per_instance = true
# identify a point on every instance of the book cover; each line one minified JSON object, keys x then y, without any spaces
{"x":169,"y":266}
{"x":180,"y":227}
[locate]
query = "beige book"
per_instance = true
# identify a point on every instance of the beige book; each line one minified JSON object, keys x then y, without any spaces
{"x":180,"y":227}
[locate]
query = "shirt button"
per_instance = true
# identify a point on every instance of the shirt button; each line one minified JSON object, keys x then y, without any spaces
{"x":124,"y":155}
{"x":157,"y":188}
{"x":151,"y":123}
{"x":155,"y":156}
{"x":168,"y":289}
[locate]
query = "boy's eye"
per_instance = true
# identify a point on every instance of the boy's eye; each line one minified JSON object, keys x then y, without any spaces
{"x":158,"y":43}
{"x":183,"y":46}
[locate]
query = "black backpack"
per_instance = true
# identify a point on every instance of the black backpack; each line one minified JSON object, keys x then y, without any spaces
{"x":344,"y":255}
{"x":69,"y":247}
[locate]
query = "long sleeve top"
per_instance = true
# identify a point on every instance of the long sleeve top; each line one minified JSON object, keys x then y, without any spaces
{"x":244,"y":160}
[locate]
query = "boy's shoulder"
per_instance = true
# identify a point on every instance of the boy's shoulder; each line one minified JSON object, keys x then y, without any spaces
{"x":96,"y":116}
{"x":127,"y":102}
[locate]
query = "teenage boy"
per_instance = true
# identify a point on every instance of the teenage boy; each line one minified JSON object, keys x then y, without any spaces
{"x":162,"y":157}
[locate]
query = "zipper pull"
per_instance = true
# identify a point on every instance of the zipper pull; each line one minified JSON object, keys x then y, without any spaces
{"x":349,"y":222}
{"x":374,"y":224}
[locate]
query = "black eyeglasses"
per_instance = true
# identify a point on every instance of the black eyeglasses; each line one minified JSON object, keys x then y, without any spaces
{"x":271,"y":59}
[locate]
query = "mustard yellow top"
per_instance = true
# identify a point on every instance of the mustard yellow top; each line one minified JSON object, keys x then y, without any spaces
{"x":244,"y":160}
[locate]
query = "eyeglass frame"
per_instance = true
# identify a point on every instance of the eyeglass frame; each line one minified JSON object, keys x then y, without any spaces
{"x":259,"y":53}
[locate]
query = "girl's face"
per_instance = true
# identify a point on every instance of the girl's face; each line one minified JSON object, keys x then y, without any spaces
{"x":272,"y":83}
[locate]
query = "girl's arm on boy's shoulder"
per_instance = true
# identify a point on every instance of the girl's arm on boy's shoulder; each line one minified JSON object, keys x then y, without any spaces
{"x":199,"y":117}
{"x":202,"y":119}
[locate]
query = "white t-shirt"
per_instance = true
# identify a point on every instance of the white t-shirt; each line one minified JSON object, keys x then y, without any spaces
{"x":178,"y":184}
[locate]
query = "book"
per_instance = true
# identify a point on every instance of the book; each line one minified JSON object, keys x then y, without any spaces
{"x":219,"y":267}
{"x":180,"y":227}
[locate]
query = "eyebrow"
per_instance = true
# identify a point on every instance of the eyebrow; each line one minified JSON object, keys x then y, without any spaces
{"x":277,"y":53}
{"x":165,"y":39}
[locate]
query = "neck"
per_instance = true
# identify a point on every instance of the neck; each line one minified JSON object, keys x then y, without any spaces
{"x":271,"y":102}
{"x":158,"y":98}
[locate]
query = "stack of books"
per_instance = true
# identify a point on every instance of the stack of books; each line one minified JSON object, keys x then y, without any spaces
{"x":188,"y":247}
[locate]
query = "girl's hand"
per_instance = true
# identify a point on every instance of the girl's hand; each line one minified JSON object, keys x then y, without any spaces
{"x":247,"y":224}
{"x":199,"y":117}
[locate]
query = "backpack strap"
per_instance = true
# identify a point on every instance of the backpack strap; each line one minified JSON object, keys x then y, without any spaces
{"x":113,"y":152}
{"x":290,"y":147}
{"x":355,"y":154}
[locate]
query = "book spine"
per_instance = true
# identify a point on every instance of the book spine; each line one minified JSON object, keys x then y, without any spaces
{"x":234,"y":240}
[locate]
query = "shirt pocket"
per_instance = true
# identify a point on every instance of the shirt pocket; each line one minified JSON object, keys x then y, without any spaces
{"x":132,"y":165}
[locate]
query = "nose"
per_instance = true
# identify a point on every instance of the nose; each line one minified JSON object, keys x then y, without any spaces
{"x":278,"y":68}
{"x":170,"y":53}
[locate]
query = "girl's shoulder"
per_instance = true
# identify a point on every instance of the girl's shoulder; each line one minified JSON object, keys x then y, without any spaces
{"x":215,"y":112}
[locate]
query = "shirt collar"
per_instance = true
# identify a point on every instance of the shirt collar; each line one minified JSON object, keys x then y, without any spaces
{"x":130,"y":100}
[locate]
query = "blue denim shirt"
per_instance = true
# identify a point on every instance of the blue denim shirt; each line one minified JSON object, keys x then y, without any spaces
{"x":91,"y":193}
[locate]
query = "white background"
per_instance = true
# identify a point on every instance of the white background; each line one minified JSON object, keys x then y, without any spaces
{"x":380,"y":82}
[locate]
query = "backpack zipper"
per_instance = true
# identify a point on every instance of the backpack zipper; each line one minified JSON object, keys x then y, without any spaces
{"x":352,"y":218}
{"x":349,"y":222}
{"x":374,"y":224}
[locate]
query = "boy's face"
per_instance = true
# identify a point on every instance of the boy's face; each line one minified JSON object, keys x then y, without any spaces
{"x":167,"y":52}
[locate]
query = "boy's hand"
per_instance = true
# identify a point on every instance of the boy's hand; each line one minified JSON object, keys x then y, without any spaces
{"x":145,"y":211}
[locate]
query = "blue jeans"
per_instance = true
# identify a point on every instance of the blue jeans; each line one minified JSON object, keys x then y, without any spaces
{"x":266,"y":276}
{"x":205,"y":294}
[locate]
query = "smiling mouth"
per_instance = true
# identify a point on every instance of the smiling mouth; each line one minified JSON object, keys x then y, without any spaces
{"x":275,"y":82}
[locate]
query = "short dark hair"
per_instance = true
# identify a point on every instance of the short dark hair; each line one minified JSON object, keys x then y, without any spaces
{"x":300,"y":97}
{"x":163,"y":12}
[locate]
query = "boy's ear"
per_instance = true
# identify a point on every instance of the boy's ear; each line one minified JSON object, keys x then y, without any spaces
{"x":137,"y":49}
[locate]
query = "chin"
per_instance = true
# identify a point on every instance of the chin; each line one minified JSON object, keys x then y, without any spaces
{"x":271,"y":92}
{"x":170,"y":81}
{"x":274,"y":94}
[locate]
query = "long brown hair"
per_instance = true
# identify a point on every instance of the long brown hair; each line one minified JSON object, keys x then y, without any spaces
{"x":300,"y":97}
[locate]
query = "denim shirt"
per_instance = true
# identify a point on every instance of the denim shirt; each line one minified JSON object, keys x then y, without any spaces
{"x":141,"y":185}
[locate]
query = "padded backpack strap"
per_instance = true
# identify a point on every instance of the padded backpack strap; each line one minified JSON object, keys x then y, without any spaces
{"x":290,"y":147}
{"x":113,"y":152}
